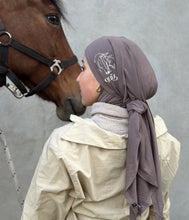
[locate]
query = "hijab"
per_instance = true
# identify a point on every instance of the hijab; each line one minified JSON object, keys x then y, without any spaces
{"x":128,"y":80}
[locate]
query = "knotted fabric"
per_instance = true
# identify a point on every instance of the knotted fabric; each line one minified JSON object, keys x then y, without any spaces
{"x":143,"y":180}
{"x":128,"y":80}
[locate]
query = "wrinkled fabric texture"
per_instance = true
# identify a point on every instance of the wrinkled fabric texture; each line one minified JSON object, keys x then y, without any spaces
{"x":110,"y":117}
{"x":81,"y":172}
{"x":128,"y":80}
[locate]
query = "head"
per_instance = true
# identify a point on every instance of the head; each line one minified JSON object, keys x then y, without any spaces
{"x":122,"y":70}
{"x":37,"y":24}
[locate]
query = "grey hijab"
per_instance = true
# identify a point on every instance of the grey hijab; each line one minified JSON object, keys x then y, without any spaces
{"x":128,"y":80}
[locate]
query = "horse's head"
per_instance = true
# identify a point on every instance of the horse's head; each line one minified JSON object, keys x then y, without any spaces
{"x":36,"y":24}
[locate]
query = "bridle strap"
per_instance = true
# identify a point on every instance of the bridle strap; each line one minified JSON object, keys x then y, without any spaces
{"x":3,"y":57}
{"x":30,"y":52}
{"x":53,"y":64}
{"x":43,"y":84}
{"x":3,"y":50}
{"x":13,"y":77}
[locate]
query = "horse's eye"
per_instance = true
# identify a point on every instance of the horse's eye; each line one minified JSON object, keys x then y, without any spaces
{"x":53,"y":19}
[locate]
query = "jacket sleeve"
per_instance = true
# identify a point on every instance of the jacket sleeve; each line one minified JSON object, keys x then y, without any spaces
{"x":48,"y":196}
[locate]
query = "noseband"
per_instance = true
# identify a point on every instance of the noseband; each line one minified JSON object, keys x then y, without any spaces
{"x":18,"y":89}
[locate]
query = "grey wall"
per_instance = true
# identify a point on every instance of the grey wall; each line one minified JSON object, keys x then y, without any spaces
{"x":160,"y":28}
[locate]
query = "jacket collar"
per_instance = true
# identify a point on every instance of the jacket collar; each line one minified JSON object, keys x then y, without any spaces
{"x":85,"y":131}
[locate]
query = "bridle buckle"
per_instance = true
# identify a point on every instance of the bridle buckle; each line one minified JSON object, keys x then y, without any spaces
{"x":56,"y":67}
{"x":10,"y":38}
{"x":15,"y":91}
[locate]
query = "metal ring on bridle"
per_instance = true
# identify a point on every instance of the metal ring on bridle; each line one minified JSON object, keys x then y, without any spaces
{"x":56,"y":66}
{"x":10,"y":38}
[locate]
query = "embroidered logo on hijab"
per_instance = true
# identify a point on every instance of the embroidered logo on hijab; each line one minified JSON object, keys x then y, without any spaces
{"x":106,"y":64}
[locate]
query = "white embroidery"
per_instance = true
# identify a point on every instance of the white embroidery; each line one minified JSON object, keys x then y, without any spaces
{"x":111,"y":77}
{"x":105,"y":63}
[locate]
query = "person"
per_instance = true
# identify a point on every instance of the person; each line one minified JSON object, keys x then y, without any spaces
{"x":119,"y":163}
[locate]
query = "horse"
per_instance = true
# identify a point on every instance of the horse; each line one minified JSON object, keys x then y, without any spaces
{"x":36,"y":56}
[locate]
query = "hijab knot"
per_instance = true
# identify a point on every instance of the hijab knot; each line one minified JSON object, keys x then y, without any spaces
{"x":138,"y":106}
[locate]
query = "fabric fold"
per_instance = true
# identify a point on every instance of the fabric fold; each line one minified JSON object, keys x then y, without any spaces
{"x":143,"y":177}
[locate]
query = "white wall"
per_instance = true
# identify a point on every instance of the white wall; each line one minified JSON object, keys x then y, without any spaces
{"x":160,"y":28}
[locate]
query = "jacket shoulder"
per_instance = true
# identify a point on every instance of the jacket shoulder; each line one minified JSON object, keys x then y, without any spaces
{"x":169,"y":152}
{"x":162,"y":131}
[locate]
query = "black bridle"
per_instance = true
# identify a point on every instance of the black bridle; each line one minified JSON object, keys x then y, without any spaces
{"x":18,"y":89}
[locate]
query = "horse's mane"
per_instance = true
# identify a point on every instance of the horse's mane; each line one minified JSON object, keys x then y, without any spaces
{"x":59,"y":5}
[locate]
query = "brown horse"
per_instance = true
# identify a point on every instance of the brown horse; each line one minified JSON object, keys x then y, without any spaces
{"x":36,"y":24}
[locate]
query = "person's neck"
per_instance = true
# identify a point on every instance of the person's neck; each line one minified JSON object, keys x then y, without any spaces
{"x":110,"y":117}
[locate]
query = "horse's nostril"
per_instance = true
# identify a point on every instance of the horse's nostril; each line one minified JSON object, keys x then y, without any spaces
{"x":75,"y":105}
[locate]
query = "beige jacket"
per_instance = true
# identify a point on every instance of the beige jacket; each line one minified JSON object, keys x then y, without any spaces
{"x":81,"y":174}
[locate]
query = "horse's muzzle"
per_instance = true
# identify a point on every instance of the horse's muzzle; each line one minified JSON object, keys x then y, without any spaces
{"x":70,"y":106}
